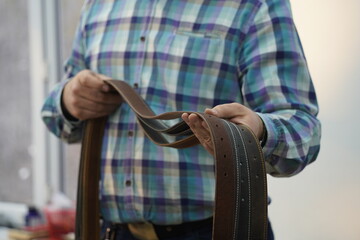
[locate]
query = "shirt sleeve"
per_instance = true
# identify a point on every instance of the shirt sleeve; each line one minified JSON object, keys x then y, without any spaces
{"x":51,"y":113}
{"x":277,"y":85}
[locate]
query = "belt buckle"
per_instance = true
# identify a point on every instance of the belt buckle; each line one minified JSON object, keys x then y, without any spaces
{"x":143,"y":231}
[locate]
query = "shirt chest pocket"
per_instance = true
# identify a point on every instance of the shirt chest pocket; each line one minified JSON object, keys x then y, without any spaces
{"x":193,"y":66}
{"x":201,"y":46}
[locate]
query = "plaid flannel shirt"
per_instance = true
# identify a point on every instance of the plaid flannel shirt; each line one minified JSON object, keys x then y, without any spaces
{"x":189,"y":55}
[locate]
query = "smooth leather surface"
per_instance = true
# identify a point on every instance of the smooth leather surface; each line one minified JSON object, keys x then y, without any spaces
{"x":241,"y":192}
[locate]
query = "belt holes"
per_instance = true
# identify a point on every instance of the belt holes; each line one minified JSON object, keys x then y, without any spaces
{"x":225,"y":174}
{"x":243,"y":199}
{"x":242,"y":180}
{"x":257,"y":176}
{"x":217,"y":125}
{"x":255,"y":158}
{"x":242,"y":129}
{"x":221,"y":139}
{"x":249,"y":141}
{"x":224,"y":155}
{"x":241,"y":164}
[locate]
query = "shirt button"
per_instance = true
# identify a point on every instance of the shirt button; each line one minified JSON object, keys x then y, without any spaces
{"x":136,"y":85}
{"x":142,"y":39}
{"x":130,"y":133}
{"x":128,"y":183}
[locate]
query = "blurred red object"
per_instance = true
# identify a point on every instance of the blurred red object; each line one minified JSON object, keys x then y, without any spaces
{"x":60,"y":222}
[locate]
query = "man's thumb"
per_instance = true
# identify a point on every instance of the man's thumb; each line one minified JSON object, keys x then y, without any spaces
{"x":212,"y":111}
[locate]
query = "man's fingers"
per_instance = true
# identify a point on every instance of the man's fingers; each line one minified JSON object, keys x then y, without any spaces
{"x":93,"y":106}
{"x":101,"y":97}
{"x":98,"y":95}
{"x":212,"y":111}
{"x":82,"y":108}
{"x":88,"y":96}
{"x":197,"y":124}
{"x":228,"y":110}
{"x":93,"y":80}
{"x":239,"y":114}
{"x":200,"y":129}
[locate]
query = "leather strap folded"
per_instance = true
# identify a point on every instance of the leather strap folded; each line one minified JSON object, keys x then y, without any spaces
{"x":241,"y":187}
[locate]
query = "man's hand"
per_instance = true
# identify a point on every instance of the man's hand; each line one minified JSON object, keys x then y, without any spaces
{"x":87,"y":96}
{"x":234,"y":112}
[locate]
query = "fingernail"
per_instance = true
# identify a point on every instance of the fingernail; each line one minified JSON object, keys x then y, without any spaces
{"x":105,"y":88}
{"x":213,"y":111}
{"x":184,"y":117}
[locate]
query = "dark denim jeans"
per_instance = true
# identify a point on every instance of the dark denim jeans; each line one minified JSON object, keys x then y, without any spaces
{"x":203,"y":233}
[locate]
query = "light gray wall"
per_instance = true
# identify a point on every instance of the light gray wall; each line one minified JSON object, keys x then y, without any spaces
{"x":15,"y":116}
{"x":15,"y":137}
{"x":322,"y":202}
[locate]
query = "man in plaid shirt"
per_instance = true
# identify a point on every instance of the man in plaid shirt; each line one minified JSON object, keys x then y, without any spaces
{"x":240,"y":60}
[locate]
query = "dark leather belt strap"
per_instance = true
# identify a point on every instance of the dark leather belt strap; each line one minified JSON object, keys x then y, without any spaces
{"x":241,"y":191}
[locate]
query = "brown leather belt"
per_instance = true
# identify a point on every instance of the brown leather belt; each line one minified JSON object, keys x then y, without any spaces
{"x":241,"y":187}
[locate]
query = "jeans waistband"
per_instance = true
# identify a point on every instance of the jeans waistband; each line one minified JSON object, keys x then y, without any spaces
{"x":168,"y":231}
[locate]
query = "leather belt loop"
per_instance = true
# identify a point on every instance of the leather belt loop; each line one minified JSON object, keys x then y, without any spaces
{"x":241,"y":185}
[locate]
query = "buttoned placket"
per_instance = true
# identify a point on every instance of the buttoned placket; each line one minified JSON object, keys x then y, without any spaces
{"x":136,"y":83}
{"x":143,"y":43}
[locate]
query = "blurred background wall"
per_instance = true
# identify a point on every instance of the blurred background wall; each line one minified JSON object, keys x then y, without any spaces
{"x":15,"y":138}
{"x":16,"y":148}
{"x":322,"y":202}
